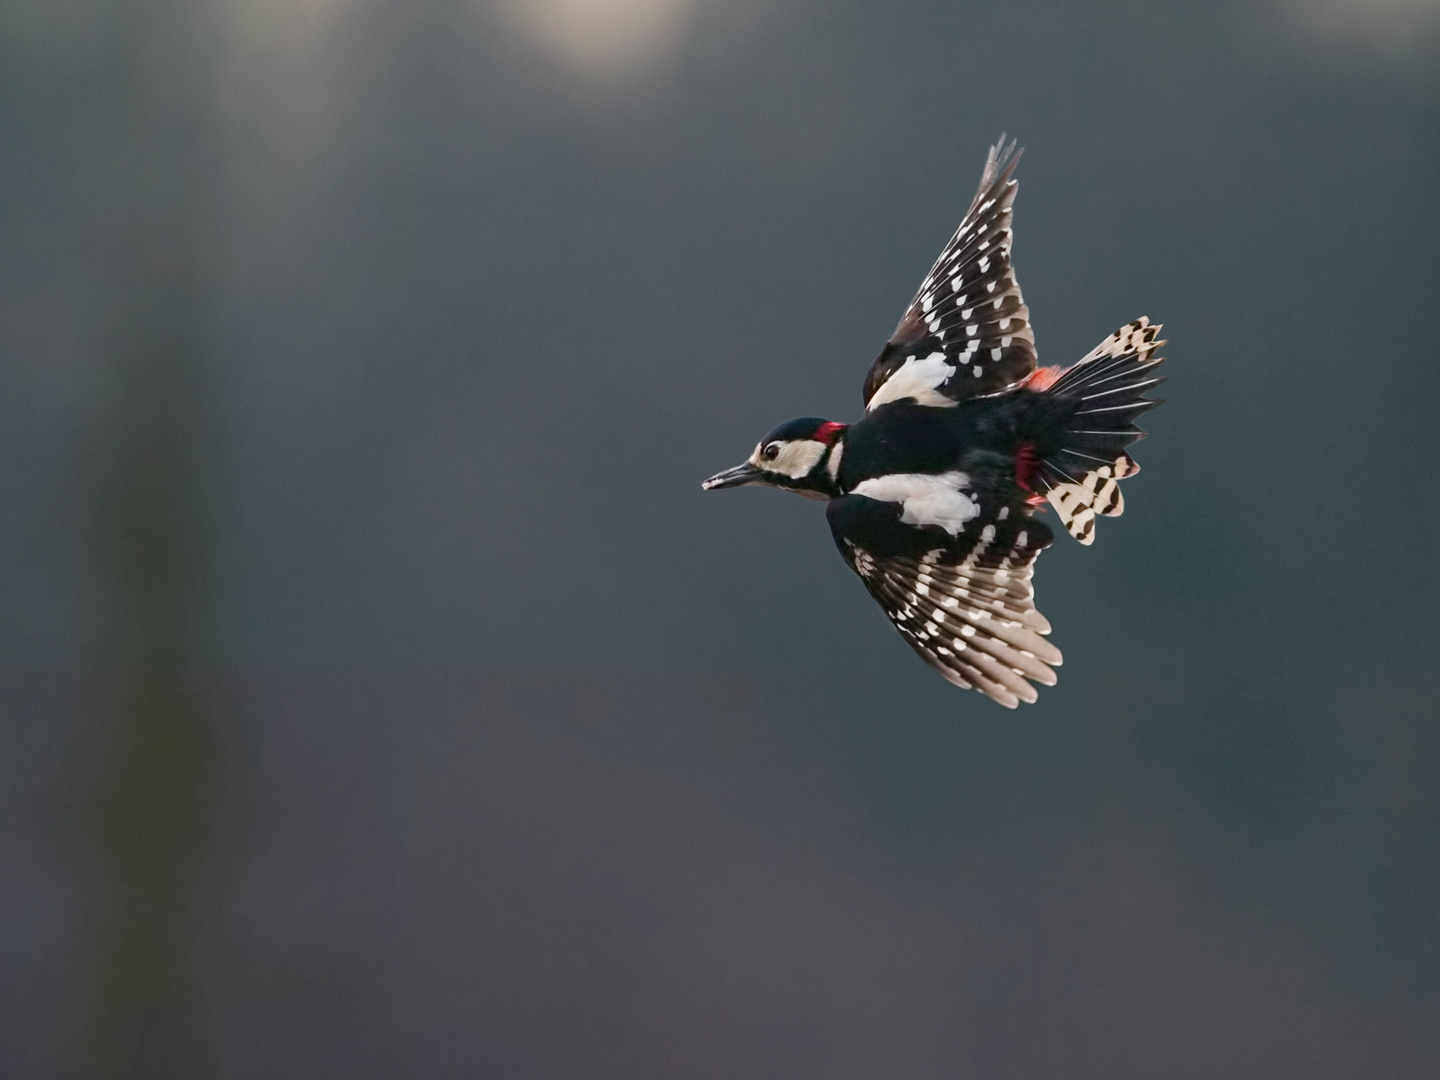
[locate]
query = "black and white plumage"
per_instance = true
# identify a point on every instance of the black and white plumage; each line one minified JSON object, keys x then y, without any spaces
{"x":968,"y":309}
{"x":932,"y":494}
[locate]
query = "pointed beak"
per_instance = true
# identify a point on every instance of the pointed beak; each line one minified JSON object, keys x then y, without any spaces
{"x":739,"y":476}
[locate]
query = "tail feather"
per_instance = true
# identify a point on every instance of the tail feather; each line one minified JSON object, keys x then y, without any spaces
{"x":1082,"y":468}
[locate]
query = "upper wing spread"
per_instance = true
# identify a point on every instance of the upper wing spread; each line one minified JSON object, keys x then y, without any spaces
{"x":967,"y":332}
{"x":963,"y":602}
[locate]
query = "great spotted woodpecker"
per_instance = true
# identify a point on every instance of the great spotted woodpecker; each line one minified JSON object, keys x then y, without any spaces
{"x":932,"y":494}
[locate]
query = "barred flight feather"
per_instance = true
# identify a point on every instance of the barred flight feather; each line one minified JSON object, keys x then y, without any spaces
{"x":967,"y":607}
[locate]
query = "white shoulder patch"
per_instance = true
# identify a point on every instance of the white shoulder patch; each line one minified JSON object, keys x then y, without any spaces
{"x":925,"y":498}
{"x":916,"y":378}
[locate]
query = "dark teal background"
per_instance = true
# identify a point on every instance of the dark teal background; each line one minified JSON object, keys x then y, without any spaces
{"x":527,"y":758}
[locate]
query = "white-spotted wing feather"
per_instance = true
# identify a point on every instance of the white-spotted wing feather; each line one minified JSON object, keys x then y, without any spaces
{"x":968,"y":308}
{"x":967,"y":607}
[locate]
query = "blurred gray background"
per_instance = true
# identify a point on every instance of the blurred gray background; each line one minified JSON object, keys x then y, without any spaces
{"x":380,"y":695}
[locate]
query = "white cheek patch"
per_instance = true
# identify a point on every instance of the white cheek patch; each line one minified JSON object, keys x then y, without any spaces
{"x":832,"y":466}
{"x":925,"y":499}
{"x":795,"y":460}
{"x":918,"y":379}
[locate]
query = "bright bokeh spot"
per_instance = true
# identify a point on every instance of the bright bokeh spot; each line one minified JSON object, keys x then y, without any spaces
{"x":603,"y":37}
{"x":1382,"y":25}
{"x":275,"y":21}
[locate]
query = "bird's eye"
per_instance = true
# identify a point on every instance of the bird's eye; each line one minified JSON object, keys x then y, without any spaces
{"x":770,"y":452}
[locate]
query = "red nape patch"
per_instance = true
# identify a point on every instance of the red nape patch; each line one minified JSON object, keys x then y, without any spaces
{"x":828,"y":432}
{"x":1027,"y":463}
{"x":1041,"y":379}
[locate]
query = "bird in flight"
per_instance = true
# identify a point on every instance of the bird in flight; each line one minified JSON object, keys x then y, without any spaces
{"x":932,"y":495}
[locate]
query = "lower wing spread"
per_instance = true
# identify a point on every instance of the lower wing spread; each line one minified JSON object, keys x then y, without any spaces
{"x":963,"y":601}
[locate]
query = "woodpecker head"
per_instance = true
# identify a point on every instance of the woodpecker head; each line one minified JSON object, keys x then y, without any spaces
{"x":802,"y":456}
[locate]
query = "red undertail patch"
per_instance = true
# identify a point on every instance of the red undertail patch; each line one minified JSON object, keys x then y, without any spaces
{"x":1027,"y":463}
